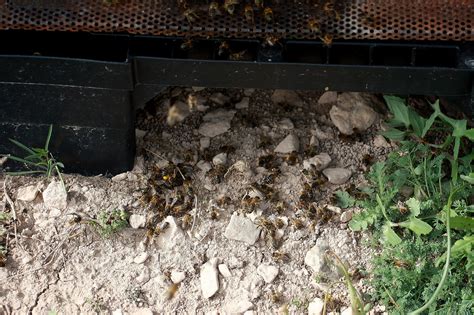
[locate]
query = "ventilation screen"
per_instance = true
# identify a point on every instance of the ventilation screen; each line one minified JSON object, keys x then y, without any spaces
{"x":434,"y":20}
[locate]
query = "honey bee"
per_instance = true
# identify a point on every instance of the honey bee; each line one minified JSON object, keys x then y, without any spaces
{"x":223,"y":201}
{"x":401,"y":264}
{"x":190,"y":15}
{"x":327,"y":40}
{"x":186,"y":221}
{"x":291,"y":158}
{"x":297,"y":223}
{"x":187,"y":44}
{"x":329,"y":10}
{"x":214,"y":9}
{"x":272,"y":40}
{"x":265,"y":224}
{"x":368,"y":160}
{"x":229,"y":6}
{"x":280,"y":207}
{"x":160,"y":229}
{"x":223,"y":48}
{"x":313,"y":25}
{"x":267,"y":161}
{"x":279,"y":223}
{"x":249,"y":14}
{"x":280,"y":256}
{"x":149,"y":236}
{"x":250,"y":202}
{"x":214,"y":215}
{"x":369,"y":20}
{"x":276,"y":297}
{"x":238,"y":55}
{"x":402,"y":208}
{"x":268,"y":15}
{"x":171,"y":291}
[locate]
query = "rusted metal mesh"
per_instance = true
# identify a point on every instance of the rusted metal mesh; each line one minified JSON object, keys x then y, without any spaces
{"x":443,"y":20}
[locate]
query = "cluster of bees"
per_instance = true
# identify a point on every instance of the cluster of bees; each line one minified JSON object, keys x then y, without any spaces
{"x":170,"y":193}
{"x":251,"y":10}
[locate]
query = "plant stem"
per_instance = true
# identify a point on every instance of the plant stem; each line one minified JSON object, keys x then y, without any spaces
{"x":448,"y":257}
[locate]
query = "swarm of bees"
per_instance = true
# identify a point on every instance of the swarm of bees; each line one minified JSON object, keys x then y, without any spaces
{"x":260,"y":13}
{"x":170,"y":192}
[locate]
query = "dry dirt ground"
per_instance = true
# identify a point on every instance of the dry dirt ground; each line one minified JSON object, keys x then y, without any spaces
{"x":58,"y":263}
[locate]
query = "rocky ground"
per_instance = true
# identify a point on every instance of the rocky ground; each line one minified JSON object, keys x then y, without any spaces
{"x":230,"y":210}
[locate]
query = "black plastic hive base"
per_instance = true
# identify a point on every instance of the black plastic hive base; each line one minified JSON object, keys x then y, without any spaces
{"x":88,"y":103}
{"x":88,"y":85}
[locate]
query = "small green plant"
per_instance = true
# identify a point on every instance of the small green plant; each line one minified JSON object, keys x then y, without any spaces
{"x":434,"y":161}
{"x":358,"y":306}
{"x":110,"y":222}
{"x":38,"y":160}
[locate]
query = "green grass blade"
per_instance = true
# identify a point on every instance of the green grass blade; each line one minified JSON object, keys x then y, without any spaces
{"x":24,"y":147}
{"x":15,"y":158}
{"x":48,"y":139}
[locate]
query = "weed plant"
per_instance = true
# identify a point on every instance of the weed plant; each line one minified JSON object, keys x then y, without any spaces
{"x":419,"y":204}
{"x":38,"y":160}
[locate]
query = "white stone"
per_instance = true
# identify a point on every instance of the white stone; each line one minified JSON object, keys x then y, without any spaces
{"x":220,"y":159}
{"x":337,"y":176}
{"x":144,"y":276}
{"x":346,"y":216}
{"x":286,"y":124}
{"x":352,"y":113}
{"x":224,"y":270}
{"x":171,"y":236}
{"x":267,"y":272}
{"x":242,"y":229}
{"x":289,"y":144}
{"x":238,"y":306}
{"x":27,"y":193}
{"x":287,"y":97}
{"x":219,"y":98}
{"x":140,"y":259}
{"x":120,"y":177}
{"x":209,"y":278}
{"x":139,"y":165}
{"x":204,"y":143}
{"x":219,"y":115}
{"x":325,"y":102}
{"x":334,"y":209}
{"x":55,"y":196}
{"x":244,"y":103}
{"x":321,"y":135}
{"x":54,"y":213}
{"x":249,"y":92}
{"x":177,"y":276}
{"x":380,"y":142}
{"x":143,"y":311}
{"x":315,"y":258}
{"x":316,"y":307}
{"x":140,"y":134}
{"x":177,"y":113}
{"x":319,"y":162}
{"x":347,"y":311}
{"x":204,"y":166}
{"x":214,"y":128}
{"x":313,"y":141}
{"x":137,"y":221}
{"x":27,"y":259}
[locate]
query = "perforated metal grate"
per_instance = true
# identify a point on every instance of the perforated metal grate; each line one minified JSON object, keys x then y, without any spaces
{"x":434,"y":20}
